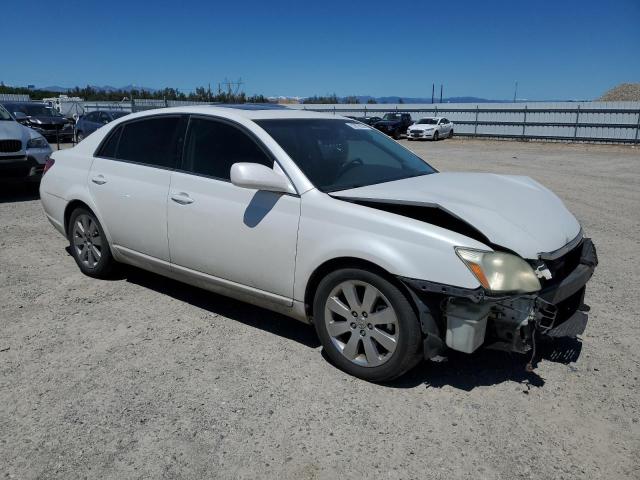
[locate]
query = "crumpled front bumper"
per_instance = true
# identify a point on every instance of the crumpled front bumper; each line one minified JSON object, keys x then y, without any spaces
{"x":510,"y":322}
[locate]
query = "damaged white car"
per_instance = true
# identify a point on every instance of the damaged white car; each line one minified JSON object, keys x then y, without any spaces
{"x":326,"y":220}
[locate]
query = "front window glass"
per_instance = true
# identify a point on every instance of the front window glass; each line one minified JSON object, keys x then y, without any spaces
{"x":212,"y":147}
{"x":340,"y":154}
{"x":427,"y":121}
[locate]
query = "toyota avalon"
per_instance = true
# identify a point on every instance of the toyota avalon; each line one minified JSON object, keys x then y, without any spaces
{"x":328,"y":221}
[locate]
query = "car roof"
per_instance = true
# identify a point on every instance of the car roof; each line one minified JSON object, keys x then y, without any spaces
{"x":24,"y":103}
{"x":232,"y":111}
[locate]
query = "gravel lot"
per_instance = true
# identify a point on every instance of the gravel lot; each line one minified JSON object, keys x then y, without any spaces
{"x":144,"y":377}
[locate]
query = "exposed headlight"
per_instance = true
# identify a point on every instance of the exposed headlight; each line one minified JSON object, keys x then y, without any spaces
{"x":500,"y":272}
{"x":37,"y":142}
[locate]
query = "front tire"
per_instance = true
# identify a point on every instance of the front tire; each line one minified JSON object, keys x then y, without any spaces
{"x":397,"y":135}
{"x":435,"y":136}
{"x":89,"y":245}
{"x":366,"y":325}
{"x":451,"y":133}
{"x":79,"y":137}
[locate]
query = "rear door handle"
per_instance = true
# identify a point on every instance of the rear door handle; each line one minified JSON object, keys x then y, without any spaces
{"x":182,"y":198}
{"x":99,"y":180}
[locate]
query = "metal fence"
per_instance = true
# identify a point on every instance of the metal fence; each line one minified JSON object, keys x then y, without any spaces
{"x":611,"y":122}
{"x":617,"y":122}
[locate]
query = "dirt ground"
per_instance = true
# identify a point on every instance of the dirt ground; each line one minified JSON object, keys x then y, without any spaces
{"x":142,"y":377}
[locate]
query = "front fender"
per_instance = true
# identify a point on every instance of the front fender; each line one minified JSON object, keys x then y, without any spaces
{"x":331,"y":228}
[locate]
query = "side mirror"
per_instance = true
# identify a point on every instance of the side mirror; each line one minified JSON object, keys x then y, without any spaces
{"x":259,"y":177}
{"x":19,"y":116}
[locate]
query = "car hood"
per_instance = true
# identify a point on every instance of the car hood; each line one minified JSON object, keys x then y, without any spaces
{"x":10,"y":130}
{"x":47,"y":120}
{"x":422,"y":126}
{"x":513,"y":212}
{"x":388,"y":122}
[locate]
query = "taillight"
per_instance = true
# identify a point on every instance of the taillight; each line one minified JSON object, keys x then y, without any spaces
{"x":48,"y":164}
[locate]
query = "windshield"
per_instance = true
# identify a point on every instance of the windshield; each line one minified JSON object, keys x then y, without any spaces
{"x":118,"y":114}
{"x":4,"y":115}
{"x":36,"y":110}
{"x":428,"y":121}
{"x":391,"y":116}
{"x":340,"y":154}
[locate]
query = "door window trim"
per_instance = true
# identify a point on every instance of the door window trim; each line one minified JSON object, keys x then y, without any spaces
{"x":121,"y":125}
{"x":252,"y":136}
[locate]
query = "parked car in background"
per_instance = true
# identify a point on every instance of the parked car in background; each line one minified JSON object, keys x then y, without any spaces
{"x":433,"y":128}
{"x":23,"y":151}
{"x":90,"y":122}
{"x":45,"y":120}
{"x":368,"y":120}
{"x":394,"y":124}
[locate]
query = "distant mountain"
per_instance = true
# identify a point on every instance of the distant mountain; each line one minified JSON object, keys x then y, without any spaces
{"x":366,"y":98}
{"x":104,"y":88}
{"x":54,"y":88}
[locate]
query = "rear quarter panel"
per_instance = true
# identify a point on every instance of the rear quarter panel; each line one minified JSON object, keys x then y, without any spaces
{"x":64,"y":182}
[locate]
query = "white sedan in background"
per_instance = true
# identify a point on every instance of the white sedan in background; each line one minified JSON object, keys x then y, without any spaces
{"x":430,"y":127}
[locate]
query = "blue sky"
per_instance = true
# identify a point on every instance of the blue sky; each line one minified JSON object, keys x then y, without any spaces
{"x":562,"y":49}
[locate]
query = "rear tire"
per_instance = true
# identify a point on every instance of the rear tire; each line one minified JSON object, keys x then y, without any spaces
{"x":451,"y":133}
{"x":79,"y":137}
{"x":382,"y":340}
{"x":89,"y":245}
{"x":397,"y":135}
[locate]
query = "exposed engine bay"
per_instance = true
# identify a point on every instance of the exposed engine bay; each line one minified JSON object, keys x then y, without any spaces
{"x":464,"y":320}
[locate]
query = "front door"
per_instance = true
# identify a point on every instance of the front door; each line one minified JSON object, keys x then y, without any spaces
{"x":242,"y":235}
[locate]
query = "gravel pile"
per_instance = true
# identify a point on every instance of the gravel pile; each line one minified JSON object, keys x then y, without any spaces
{"x":625,"y":92}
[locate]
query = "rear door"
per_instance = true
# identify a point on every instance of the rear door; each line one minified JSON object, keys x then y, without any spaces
{"x":232,"y":233}
{"x":129,"y":181}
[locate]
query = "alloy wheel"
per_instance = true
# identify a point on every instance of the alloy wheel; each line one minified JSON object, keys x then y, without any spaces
{"x":87,"y":241}
{"x":361,"y":323}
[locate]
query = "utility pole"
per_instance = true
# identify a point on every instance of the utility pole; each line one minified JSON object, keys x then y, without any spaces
{"x":515,"y":92}
{"x":433,"y":91}
{"x":440,"y":93}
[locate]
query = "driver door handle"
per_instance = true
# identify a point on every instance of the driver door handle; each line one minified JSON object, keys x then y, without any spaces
{"x":182,"y":198}
{"x":99,"y":180}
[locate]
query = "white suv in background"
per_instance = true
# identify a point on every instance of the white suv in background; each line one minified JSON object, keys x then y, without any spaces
{"x":433,"y":128}
{"x":329,"y":221}
{"x":23,"y":151}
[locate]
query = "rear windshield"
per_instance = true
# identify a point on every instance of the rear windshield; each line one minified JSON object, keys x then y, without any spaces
{"x":340,"y":154}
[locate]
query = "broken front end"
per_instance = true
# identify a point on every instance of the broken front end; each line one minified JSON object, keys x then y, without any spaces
{"x":519,"y":302}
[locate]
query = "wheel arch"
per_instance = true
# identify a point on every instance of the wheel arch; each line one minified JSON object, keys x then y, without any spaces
{"x":347,"y":262}
{"x":71,"y":206}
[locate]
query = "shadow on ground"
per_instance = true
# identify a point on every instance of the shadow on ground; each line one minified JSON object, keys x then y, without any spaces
{"x":227,"y":307}
{"x":489,"y":367}
{"x":18,"y":192}
{"x":458,"y":370}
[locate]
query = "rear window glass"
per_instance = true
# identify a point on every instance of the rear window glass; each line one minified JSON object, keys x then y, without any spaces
{"x":152,"y":141}
{"x":108,"y":148}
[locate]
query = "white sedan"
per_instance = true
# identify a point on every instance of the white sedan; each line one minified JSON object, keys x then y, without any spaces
{"x":433,"y":128}
{"x":328,"y":221}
